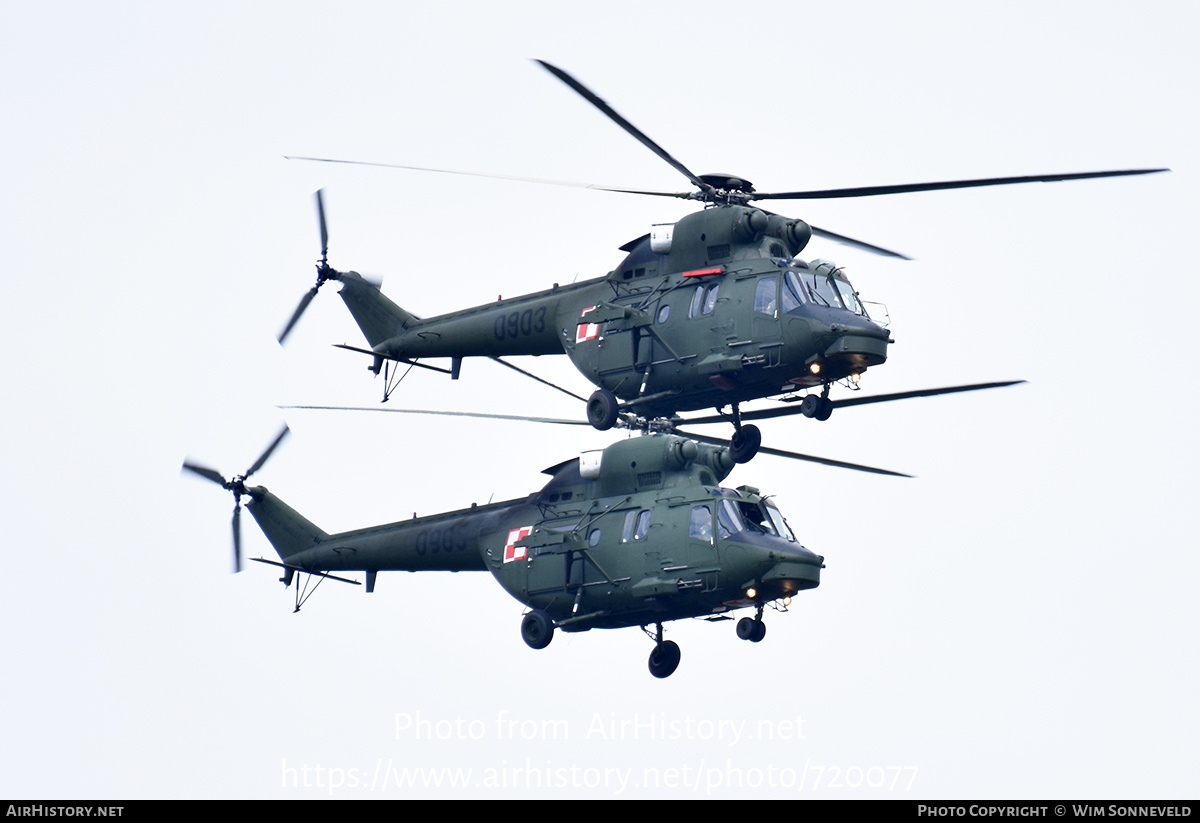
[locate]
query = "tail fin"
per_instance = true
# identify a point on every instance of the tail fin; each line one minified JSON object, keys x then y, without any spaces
{"x":377,"y":316}
{"x":287,"y":530}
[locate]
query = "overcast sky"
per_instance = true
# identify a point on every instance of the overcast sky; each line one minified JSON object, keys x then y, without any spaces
{"x":1018,"y":621}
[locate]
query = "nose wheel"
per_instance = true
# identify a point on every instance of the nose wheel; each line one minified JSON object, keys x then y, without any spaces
{"x":817,"y":407}
{"x":752,"y":628}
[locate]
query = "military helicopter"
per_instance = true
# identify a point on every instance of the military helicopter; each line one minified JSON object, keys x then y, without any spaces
{"x":713,"y":311}
{"x":638,"y":534}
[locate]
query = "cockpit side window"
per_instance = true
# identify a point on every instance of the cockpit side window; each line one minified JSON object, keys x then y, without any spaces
{"x":701,"y":523}
{"x":764,"y":295}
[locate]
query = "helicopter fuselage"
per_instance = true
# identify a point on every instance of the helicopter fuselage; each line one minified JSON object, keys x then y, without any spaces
{"x":711,"y":311}
{"x":637,"y":534}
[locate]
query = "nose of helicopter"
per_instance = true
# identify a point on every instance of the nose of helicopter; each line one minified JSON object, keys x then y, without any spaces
{"x":859,"y":342}
{"x":795,"y":569}
{"x":841,"y":345}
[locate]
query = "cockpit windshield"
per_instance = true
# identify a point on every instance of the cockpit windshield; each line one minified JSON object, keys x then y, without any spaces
{"x":781,"y":526}
{"x":849,"y":296}
{"x":815,"y":287}
{"x":735,"y":514}
{"x":823,"y":285}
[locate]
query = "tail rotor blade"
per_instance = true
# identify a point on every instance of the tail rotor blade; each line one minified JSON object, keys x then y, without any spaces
{"x":304,"y":301}
{"x":237,"y":537}
{"x":320,"y":195}
{"x":258,"y":464}
{"x":204,"y":471}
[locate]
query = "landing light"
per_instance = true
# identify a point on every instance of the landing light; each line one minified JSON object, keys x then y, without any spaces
{"x":752,"y":592}
{"x":787,"y":601}
{"x":815,"y":368}
{"x":854,"y":378}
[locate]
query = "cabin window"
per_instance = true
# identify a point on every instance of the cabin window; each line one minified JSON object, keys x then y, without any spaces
{"x":663,"y":314}
{"x":627,"y":529}
{"x":594,"y":538}
{"x":764,"y":296}
{"x":637,"y":525}
{"x":704,"y":300}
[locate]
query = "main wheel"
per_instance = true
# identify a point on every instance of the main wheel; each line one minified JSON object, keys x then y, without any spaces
{"x":810,"y":405}
{"x":537,"y":629}
{"x":744,"y":444}
{"x":760,"y":631}
{"x":664,"y":660}
{"x":826,"y":409}
{"x":602,"y":409}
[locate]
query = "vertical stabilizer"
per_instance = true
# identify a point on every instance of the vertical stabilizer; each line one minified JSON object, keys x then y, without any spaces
{"x":287,"y":530}
{"x":377,"y":316}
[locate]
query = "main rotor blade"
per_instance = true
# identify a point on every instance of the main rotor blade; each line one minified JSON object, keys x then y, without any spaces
{"x":905,"y":395}
{"x":871,"y":191}
{"x":205,"y":472}
{"x":542,"y":180}
{"x":825,"y":461}
{"x":858,"y":244}
{"x":785,"y":411}
{"x":258,"y":464}
{"x":633,"y":130}
{"x":521,"y":418}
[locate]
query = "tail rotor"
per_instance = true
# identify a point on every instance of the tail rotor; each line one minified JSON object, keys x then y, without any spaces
{"x":324,"y":271}
{"x":237,"y":485}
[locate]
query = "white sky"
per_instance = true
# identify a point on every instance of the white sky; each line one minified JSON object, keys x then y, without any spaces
{"x":1018,"y":622}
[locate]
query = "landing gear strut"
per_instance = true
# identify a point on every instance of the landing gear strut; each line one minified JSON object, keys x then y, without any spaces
{"x":745,"y":441}
{"x":664,"y":660}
